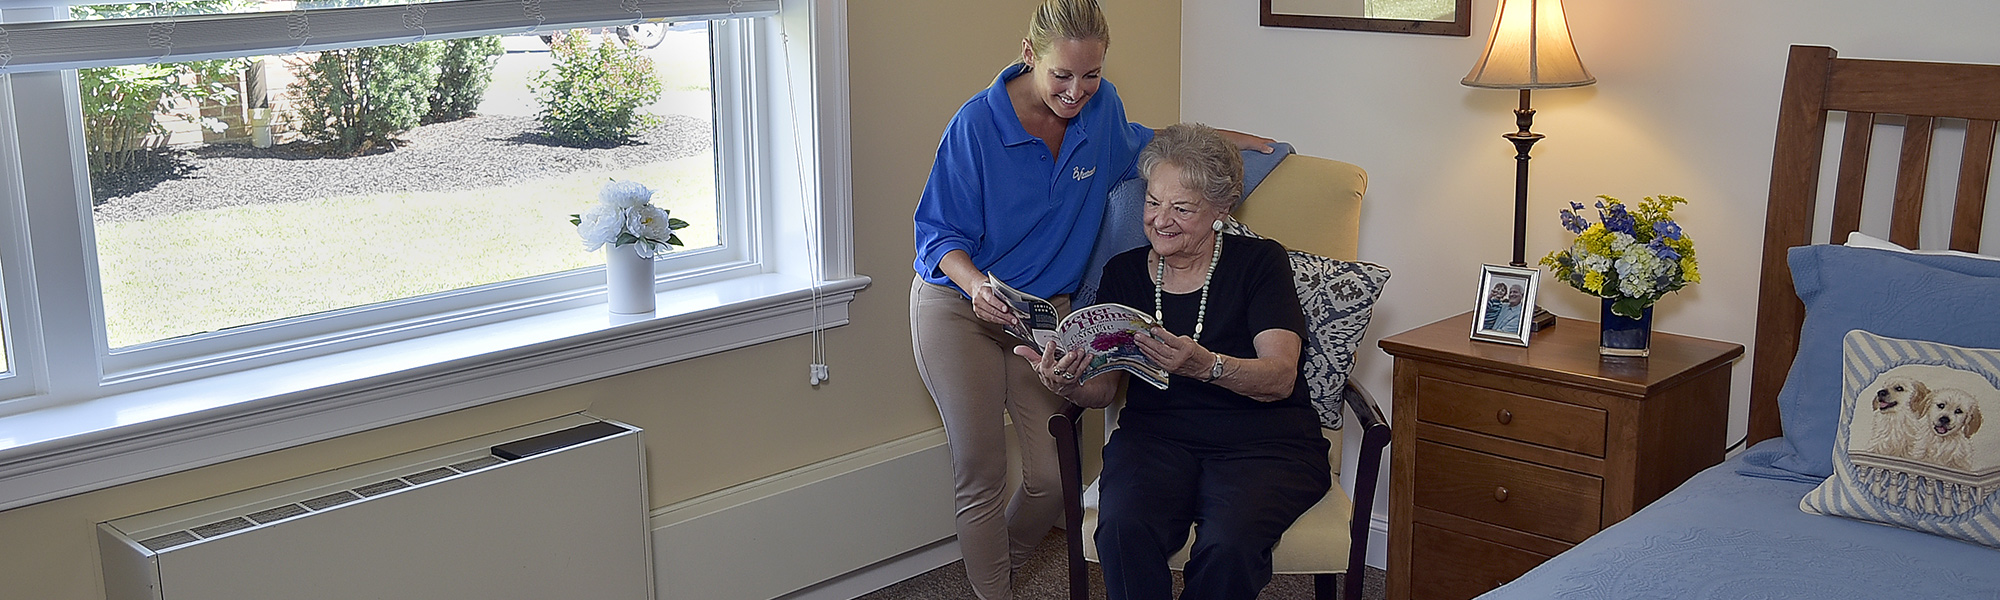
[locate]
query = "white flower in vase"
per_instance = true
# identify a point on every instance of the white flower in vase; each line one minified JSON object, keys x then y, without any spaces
{"x":599,"y":226}
{"x":624,"y":215}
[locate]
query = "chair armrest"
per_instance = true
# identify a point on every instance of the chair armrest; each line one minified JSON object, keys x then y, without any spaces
{"x":1374,"y":430}
{"x":1067,"y":427}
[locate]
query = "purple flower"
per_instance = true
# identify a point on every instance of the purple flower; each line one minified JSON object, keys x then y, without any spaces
{"x":1616,"y":219}
{"x":1668,"y":229}
{"x":1659,"y":248}
{"x":1573,"y":223}
{"x":1574,"y":205}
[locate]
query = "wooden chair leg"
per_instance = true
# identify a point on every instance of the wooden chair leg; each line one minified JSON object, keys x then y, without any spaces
{"x":1067,"y":426}
{"x":1324,"y":587}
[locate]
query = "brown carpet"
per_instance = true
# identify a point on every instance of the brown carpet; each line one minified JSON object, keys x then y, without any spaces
{"x":1045,"y":578}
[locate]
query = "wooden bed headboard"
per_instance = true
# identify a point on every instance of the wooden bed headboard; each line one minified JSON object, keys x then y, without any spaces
{"x":1871,"y":93}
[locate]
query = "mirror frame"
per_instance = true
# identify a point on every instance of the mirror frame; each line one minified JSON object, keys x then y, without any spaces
{"x":1460,"y":26}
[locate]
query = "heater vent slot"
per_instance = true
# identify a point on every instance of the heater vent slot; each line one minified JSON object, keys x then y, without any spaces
{"x":381,"y":487}
{"x":275,"y":514}
{"x":168,"y":541}
{"x":223,"y":526}
{"x":331,"y":500}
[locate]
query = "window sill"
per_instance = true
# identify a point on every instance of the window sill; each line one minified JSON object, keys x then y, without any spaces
{"x":62,"y":450}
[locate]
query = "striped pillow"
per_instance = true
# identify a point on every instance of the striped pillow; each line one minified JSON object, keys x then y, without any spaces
{"x":1911,"y":450}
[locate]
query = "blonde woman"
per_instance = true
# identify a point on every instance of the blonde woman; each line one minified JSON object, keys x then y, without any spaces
{"x":1018,"y":190}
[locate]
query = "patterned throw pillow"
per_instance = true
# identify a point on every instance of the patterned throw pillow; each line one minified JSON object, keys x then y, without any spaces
{"x":1911,"y":450}
{"x":1338,"y":298}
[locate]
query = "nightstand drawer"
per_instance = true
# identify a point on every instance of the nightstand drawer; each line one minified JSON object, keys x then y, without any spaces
{"x":1559,"y":425}
{"x":1457,"y":567}
{"x":1507,"y":492}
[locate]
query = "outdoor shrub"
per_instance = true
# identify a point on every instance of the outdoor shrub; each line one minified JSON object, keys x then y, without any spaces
{"x":591,"y":97}
{"x":356,"y":99}
{"x":120,"y":104}
{"x":465,"y":67}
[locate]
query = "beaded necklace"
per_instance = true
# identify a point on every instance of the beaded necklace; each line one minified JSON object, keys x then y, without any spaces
{"x":1160,"y":278}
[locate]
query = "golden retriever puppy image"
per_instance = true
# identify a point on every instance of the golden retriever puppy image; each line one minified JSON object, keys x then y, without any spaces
{"x":1899,"y":417}
{"x":1952,"y":417}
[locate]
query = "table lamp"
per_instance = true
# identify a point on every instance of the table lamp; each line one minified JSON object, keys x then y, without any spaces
{"x":1528,"y":50}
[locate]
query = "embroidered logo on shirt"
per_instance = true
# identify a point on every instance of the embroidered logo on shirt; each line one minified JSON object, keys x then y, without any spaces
{"x":1080,"y":174}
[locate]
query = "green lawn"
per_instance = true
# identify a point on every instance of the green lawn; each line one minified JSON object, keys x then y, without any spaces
{"x":209,"y":270}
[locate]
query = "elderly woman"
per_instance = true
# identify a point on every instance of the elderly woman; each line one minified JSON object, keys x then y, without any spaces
{"x":1232,"y":443}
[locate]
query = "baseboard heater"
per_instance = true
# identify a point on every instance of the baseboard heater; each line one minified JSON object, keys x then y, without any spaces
{"x":555,"y":509}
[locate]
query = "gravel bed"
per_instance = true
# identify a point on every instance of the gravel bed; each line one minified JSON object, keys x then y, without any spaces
{"x":469,"y":153}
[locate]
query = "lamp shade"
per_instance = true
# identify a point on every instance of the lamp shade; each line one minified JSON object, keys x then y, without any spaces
{"x":1529,"y":49}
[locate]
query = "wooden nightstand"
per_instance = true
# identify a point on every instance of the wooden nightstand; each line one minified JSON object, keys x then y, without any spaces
{"x":1505,"y":456}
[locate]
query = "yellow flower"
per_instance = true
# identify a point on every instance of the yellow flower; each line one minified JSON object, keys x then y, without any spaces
{"x":1593,"y":282}
{"x":1596,"y":240}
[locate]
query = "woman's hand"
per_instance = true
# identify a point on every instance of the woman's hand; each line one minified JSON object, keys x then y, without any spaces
{"x":1059,"y":374}
{"x":986,"y":302}
{"x":1180,"y":354}
{"x":987,"y":305}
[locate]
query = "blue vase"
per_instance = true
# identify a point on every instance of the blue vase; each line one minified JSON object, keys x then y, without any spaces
{"x":1619,"y":335}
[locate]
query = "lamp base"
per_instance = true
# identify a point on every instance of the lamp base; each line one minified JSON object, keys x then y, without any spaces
{"x":1543,"y":319}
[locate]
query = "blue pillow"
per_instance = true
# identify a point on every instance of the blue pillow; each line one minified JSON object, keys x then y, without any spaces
{"x":1937,"y":298}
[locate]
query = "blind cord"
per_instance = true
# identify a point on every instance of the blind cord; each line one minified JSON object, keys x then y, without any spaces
{"x":818,"y":371}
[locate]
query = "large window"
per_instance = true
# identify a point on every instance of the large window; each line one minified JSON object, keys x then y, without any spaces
{"x":216,"y":205}
{"x":298,"y":220}
{"x":245,"y":201}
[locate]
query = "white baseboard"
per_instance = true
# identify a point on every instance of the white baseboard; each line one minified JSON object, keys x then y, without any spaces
{"x":883,"y":574}
{"x":840,"y":521}
{"x":833,"y":530}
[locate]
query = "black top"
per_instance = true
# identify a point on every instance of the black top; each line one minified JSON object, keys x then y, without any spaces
{"x":1252,"y":291}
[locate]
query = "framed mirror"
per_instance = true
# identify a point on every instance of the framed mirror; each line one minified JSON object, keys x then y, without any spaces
{"x":1434,"y":17}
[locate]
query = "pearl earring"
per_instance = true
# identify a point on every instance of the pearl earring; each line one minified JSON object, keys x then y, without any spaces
{"x":1217,"y":225}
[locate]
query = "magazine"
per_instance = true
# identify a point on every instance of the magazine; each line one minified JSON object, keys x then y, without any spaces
{"x":1107,"y":331}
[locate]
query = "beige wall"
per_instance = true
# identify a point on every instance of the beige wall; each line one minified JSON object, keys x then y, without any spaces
{"x":1685,"y":104}
{"x":726,"y":419}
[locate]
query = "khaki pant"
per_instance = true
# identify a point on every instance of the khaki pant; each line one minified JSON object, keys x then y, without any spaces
{"x":972,"y":373}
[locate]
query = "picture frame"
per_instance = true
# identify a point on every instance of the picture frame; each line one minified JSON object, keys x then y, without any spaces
{"x":1455,"y":18}
{"x":1505,"y":309}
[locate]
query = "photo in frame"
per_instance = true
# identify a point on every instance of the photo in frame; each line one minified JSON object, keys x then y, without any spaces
{"x":1506,"y":306}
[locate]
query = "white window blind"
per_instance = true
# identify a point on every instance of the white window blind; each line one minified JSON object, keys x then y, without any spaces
{"x":57,"y":45}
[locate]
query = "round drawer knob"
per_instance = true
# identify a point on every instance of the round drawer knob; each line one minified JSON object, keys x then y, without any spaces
{"x":1504,"y":416}
{"x":1500,"y":494}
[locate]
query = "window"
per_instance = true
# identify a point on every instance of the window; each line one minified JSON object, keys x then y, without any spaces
{"x":210,"y":257}
{"x":216,"y":209}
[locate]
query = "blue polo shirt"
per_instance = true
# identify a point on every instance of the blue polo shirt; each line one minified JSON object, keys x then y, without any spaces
{"x":1027,"y":217}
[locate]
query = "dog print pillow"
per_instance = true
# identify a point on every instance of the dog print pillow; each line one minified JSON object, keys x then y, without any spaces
{"x":1913,"y":449}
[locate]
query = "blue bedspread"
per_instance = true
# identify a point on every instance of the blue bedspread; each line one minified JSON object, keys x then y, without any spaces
{"x":1727,"y":535}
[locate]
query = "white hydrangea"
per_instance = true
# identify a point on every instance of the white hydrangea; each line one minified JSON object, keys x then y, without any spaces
{"x":1638,"y":272}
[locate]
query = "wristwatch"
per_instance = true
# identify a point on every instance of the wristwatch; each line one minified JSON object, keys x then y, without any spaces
{"x":1214,"y":372}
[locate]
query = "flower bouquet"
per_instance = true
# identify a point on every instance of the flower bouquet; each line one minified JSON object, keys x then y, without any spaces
{"x":635,"y":232}
{"x":1629,"y":257}
{"x":625,"y":215}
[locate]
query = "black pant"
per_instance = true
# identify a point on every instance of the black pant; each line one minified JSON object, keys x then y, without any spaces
{"x":1240,"y":498}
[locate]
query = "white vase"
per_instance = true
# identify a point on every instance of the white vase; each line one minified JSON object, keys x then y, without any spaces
{"x":628,"y":281}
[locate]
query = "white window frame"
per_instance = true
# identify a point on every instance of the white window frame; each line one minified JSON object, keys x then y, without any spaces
{"x":68,"y":428}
